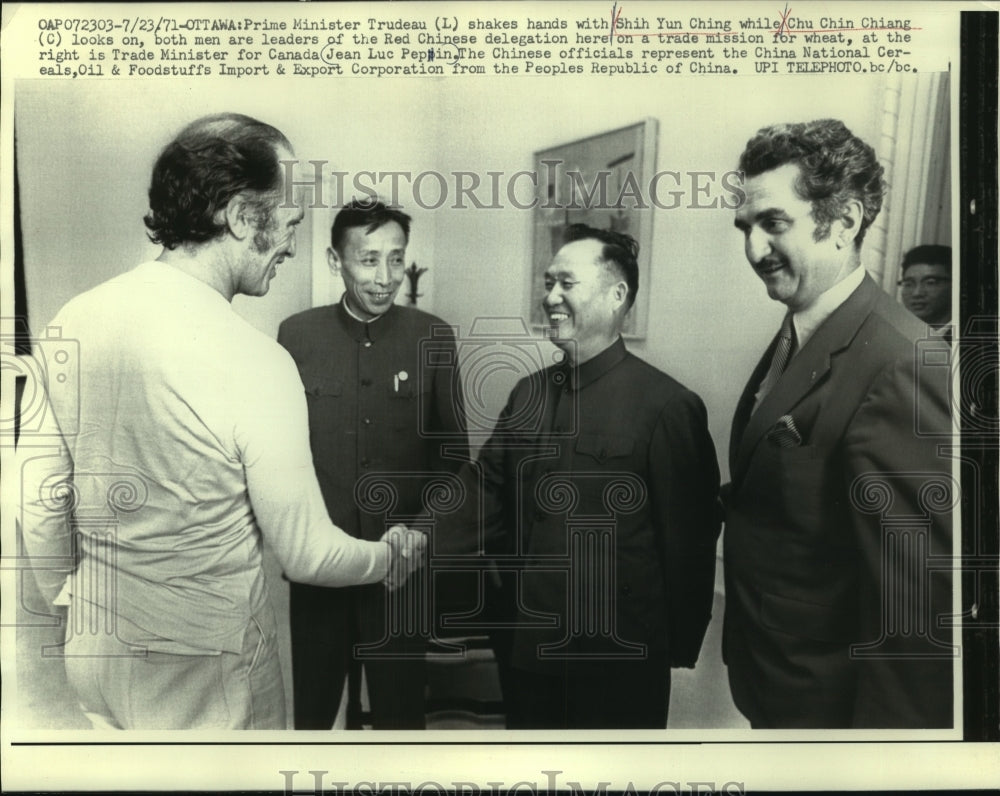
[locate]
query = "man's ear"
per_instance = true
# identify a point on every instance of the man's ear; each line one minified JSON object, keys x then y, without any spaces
{"x":333,"y":260}
{"x":237,"y":217}
{"x":619,"y":292}
{"x":848,"y":226}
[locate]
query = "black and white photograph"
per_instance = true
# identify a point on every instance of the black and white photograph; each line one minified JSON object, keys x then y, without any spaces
{"x":496,"y":397}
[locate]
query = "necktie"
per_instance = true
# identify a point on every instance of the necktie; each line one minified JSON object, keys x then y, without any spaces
{"x":782,"y":353}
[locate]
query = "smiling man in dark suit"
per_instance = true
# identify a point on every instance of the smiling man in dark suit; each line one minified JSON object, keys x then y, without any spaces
{"x":606,"y":500}
{"x":839,"y":500}
{"x":378,"y":418}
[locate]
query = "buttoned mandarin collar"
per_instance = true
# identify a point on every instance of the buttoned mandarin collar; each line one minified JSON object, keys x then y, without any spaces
{"x":590,"y":371}
{"x":361,"y":331}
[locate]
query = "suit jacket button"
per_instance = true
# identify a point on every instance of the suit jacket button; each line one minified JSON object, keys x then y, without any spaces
{"x":626,"y":590}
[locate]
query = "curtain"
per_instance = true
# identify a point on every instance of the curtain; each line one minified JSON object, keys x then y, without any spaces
{"x":914,"y":149}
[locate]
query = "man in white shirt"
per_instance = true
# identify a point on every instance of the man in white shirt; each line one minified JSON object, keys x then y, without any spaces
{"x":185,"y":443}
{"x":833,"y":608}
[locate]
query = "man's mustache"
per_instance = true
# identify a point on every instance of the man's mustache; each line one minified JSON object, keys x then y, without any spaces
{"x":770,"y":262}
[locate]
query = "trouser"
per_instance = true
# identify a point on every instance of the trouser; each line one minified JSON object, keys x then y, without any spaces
{"x":123,"y":685}
{"x":336,"y":631}
{"x":501,"y":607}
{"x":592,"y":695}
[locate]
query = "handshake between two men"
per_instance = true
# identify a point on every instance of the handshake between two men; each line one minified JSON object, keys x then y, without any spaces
{"x":407,"y":549}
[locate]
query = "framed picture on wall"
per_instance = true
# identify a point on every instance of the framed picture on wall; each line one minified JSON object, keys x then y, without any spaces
{"x":602,"y":181}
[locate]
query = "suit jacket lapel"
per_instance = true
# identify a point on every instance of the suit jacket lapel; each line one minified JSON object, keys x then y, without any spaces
{"x":806,"y":371}
{"x":745,"y":405}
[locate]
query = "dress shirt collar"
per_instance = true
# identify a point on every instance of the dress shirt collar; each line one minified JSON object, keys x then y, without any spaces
{"x":374,"y":329}
{"x":595,"y":367}
{"x":811,"y":318}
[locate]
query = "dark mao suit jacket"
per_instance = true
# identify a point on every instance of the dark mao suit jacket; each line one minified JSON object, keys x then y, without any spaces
{"x":380,"y":415}
{"x":601,"y":485}
{"x":838,"y":527}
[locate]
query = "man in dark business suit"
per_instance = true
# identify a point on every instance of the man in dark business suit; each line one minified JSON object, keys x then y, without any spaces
{"x":834,"y":612}
{"x":600,"y":484}
{"x":378,"y":418}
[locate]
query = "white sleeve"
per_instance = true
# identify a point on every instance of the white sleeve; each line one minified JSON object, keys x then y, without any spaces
{"x":47,"y":498}
{"x":272,"y":435}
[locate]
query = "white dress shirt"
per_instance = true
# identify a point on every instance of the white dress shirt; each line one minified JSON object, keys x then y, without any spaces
{"x":811,"y":318}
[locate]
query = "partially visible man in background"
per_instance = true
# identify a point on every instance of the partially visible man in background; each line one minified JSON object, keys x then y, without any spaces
{"x":926,"y":285}
{"x":379,"y":419}
{"x":192,"y":446}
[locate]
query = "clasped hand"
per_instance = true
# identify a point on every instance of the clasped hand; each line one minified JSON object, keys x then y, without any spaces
{"x":407,"y":550}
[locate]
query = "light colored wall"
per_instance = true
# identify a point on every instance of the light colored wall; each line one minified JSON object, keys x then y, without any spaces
{"x":709,"y":316}
{"x":85,"y":158}
{"x":85,"y":154}
{"x":355,"y":127}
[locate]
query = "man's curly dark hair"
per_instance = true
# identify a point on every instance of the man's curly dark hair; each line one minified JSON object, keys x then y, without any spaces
{"x":620,"y":252}
{"x":836,"y":166}
{"x":209,"y":162}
